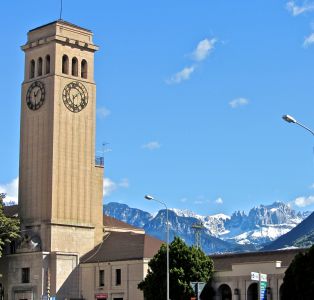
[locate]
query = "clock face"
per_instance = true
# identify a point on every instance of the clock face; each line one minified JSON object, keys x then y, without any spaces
{"x":75,"y":96}
{"x":35,"y":95}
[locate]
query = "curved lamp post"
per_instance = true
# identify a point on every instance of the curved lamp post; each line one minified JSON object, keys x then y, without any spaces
{"x":151,"y":198}
{"x":290,"y":119}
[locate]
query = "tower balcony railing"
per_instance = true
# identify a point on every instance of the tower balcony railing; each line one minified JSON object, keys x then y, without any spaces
{"x":99,"y":161}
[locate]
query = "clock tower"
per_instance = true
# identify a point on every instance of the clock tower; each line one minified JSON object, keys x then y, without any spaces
{"x":60,"y":179}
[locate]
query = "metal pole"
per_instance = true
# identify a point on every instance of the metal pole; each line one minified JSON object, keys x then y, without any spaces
{"x":308,"y":129}
{"x":167,"y":254}
{"x":149,"y":197}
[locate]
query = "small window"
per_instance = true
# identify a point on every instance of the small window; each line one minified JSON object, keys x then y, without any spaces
{"x":25,"y":275}
{"x":74,"y":67}
{"x":40,"y":66}
{"x":101,"y":278}
{"x":47,"y":71}
{"x":118,"y":276}
{"x":32,"y":69}
{"x":65,"y":64}
{"x":84,"y":68}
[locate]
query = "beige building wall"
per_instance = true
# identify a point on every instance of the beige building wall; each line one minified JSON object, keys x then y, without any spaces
{"x":37,"y":262}
{"x":60,"y":185}
{"x":132,"y":273}
{"x":240,"y":278}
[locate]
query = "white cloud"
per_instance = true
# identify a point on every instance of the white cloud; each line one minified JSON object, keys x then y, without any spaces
{"x":238,"y":102}
{"x":296,"y":10}
{"x":203,"y":49}
{"x":109,"y":186}
{"x":312,"y":186}
{"x":103,"y":112}
{"x":11,"y":190}
{"x":181,"y":76}
{"x":124,"y":183}
{"x":183,"y":200}
{"x":308,"y":41}
{"x":152,"y":145}
{"x":219,"y":201}
{"x":304,"y":201}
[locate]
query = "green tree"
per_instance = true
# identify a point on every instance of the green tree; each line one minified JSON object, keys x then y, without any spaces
{"x":187,"y":264}
{"x":9,"y":227}
{"x":298,"y":283}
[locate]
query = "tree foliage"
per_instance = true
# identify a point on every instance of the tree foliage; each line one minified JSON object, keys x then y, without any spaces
{"x":187,"y":264}
{"x":298,"y":283}
{"x":9,"y":227}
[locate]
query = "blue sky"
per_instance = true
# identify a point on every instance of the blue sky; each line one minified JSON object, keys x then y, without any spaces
{"x":190,"y":96}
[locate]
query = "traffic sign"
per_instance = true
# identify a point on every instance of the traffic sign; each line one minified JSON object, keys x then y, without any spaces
{"x":264,"y":277}
{"x":263,"y":290}
{"x":197,"y":288}
{"x":255,"y":276}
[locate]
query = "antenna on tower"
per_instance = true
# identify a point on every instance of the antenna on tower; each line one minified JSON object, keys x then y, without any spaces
{"x":197,"y":233}
{"x":60,"y":18}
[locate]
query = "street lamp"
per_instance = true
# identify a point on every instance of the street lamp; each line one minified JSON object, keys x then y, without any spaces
{"x":151,"y":198}
{"x":290,"y":119}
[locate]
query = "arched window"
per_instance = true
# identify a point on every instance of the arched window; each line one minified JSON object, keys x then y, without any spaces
{"x":74,"y":67}
{"x":224,"y":292}
{"x":65,"y":64}
{"x":39,"y":66}
{"x":47,"y":71}
{"x":32,"y":69}
{"x":84,"y":68}
{"x":252,"y":292}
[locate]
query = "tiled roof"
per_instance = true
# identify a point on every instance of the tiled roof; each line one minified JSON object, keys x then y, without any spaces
{"x":10,"y":211}
{"x":224,"y":262}
{"x":121,"y":246}
{"x":115,"y":223}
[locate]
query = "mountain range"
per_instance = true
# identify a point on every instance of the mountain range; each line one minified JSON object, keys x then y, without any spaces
{"x":220,"y":233}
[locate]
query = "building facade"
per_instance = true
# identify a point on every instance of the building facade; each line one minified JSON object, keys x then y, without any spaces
{"x":232,"y":277}
{"x":113,"y":269}
{"x":60,"y":181}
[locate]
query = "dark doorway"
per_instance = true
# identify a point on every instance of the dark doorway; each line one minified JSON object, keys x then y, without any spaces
{"x":280,"y":293}
{"x":224,"y":292}
{"x":252,"y":292}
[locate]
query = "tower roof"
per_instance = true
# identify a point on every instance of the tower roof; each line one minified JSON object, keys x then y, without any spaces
{"x":62,"y":22}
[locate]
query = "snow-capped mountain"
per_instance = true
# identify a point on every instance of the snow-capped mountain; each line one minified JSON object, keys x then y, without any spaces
{"x":221,"y":233}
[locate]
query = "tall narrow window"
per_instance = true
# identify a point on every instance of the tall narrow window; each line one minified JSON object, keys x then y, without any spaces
{"x":101,"y":278}
{"x":74,"y":67}
{"x":32,"y":69}
{"x":25,"y":275}
{"x":65,"y":64}
{"x":84,"y":68}
{"x":39,"y":66}
{"x":47,"y":71}
{"x":118,"y":276}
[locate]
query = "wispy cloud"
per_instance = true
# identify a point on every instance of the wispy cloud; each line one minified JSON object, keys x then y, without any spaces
{"x":304,"y":201}
{"x":203,"y":49}
{"x":201,"y":200}
{"x":109,"y":186}
{"x":151,"y":145}
{"x":11,"y":190}
{"x":309,"y":40}
{"x":181,"y":76}
{"x":296,"y":10}
{"x":311,"y":186}
{"x":238,"y":102}
{"x":219,"y":201}
{"x":103,"y":112}
{"x":183,"y":200}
